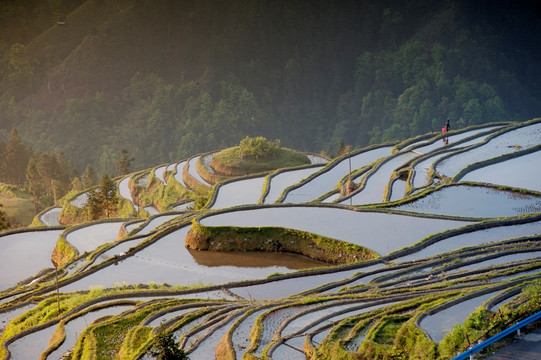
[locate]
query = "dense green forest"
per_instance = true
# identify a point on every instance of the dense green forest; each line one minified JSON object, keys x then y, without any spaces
{"x":168,"y":79}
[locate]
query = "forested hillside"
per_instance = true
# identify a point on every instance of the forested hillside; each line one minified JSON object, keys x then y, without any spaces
{"x":168,"y":79}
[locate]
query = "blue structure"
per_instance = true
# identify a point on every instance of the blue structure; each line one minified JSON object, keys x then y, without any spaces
{"x":498,"y":336}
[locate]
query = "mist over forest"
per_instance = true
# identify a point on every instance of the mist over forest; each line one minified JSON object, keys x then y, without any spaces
{"x":168,"y":79}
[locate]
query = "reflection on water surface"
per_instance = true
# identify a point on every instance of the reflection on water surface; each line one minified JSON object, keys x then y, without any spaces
{"x":255,"y":259}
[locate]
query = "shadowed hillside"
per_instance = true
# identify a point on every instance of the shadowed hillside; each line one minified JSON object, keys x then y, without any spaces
{"x":168,"y":79}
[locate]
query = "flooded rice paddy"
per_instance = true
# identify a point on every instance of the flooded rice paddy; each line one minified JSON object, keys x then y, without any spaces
{"x":280,"y":182}
{"x":125,"y":192}
{"x":377,"y":181}
{"x":476,"y":238}
{"x":518,"y":139}
{"x":75,"y":327}
{"x":398,"y":190}
{"x":329,"y":178}
{"x":154,"y":223}
{"x":205,"y":161}
{"x":80,"y":200}
{"x":288,"y":287}
{"x":168,"y":261}
{"x":316,"y":159}
{"x":504,"y":259}
{"x":288,"y":299}
{"x":151,"y":210}
{"x":88,"y":238}
{"x":192,"y":170}
{"x":32,"y":345}
{"x":50,"y":217}
{"x":423,"y":166}
{"x":179,"y":172}
{"x":367,"y":229}
{"x":454,"y":138}
{"x":518,"y":172}
{"x":159,"y":172}
{"x":183,"y":207}
{"x":442,"y":322}
{"x":143,"y":180}
{"x":24,"y":254}
{"x":247,"y":191}
{"x":474,"y":201}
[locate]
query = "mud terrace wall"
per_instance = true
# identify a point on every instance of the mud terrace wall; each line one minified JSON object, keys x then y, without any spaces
{"x":271,"y":239}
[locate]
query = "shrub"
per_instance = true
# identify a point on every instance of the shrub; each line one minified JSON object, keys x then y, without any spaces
{"x":258,"y":147}
{"x":165,"y":347}
{"x":201,"y":196}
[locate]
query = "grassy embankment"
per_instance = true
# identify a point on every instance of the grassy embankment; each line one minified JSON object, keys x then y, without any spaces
{"x":483,"y":323}
{"x":77,"y":214}
{"x":161,"y":196}
{"x":392,"y":333}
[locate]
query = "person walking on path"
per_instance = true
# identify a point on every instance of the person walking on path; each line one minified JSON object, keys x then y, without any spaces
{"x":445,"y":130}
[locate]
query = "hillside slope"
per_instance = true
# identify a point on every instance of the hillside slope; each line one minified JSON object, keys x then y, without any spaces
{"x":18,"y":207}
{"x":169,"y":79}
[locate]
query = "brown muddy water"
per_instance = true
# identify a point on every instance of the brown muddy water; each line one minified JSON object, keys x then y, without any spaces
{"x":255,"y":259}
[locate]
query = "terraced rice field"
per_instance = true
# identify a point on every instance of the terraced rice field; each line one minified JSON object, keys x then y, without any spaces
{"x":456,"y":244}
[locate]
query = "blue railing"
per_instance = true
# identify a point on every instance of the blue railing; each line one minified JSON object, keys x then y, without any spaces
{"x":498,"y":336}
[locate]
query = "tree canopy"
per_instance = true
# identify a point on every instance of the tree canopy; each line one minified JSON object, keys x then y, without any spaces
{"x":259,"y":147}
{"x":123,"y":164}
{"x":136,"y":77}
{"x":165,"y":347}
{"x":102,"y":201}
{"x":4,"y":222}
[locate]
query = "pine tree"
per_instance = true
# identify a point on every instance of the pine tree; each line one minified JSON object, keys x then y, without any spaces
{"x":48,"y":177}
{"x":76,"y":184}
{"x":340,"y":147}
{"x":109,"y":195}
{"x":123,"y":164}
{"x":47,"y":168}
{"x":165,"y":347}
{"x":93,"y":205}
{"x":34,"y":183}
{"x":66,"y":170}
{"x":53,"y":170}
{"x":3,"y":168}
{"x":4,"y":223}
{"x":16,"y":159}
{"x":102,"y":201}
{"x":89,"y":177}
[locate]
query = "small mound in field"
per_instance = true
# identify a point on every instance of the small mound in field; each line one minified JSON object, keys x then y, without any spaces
{"x":255,"y":156}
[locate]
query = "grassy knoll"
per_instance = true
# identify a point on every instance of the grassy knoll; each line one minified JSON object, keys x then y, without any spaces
{"x":17,"y":205}
{"x":254,"y":156}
